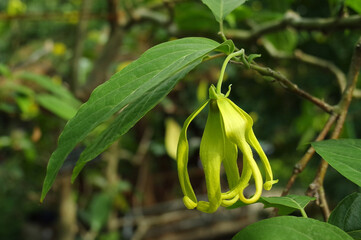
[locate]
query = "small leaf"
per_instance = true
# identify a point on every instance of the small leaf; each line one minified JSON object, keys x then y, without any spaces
{"x":172,"y":132}
{"x":5,"y":71}
{"x":354,"y":4}
{"x":186,"y":11}
{"x":238,"y":204}
{"x":48,"y":84}
{"x":131,"y":93}
{"x":284,"y":41}
{"x":56,"y":106}
{"x":343,"y":155}
{"x":286,"y":204}
{"x":289,"y":227}
{"x":251,"y":57}
{"x":221,"y":8}
{"x":347,"y":215}
{"x":100,"y":207}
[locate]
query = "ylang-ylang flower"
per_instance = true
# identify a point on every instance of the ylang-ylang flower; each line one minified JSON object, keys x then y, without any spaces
{"x":227,"y":131}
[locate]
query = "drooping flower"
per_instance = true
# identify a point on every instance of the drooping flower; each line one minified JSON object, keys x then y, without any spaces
{"x":228,"y":129}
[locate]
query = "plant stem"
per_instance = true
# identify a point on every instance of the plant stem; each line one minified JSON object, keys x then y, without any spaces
{"x":221,"y":32}
{"x":316,"y":187}
{"x":286,"y":83}
{"x":229,"y":57}
{"x":297,"y":22}
{"x":303,"y":212}
{"x":301,"y":165}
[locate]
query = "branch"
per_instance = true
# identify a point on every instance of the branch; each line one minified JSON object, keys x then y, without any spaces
{"x":293,"y":20}
{"x":301,"y":165}
{"x":266,"y":71}
{"x":99,"y":73}
{"x":316,"y":187}
{"x":113,"y":14}
{"x":327,"y":65}
{"x":309,"y":59}
{"x":79,"y":43}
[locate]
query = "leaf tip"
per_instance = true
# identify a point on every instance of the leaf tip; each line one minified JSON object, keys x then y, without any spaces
{"x":78,"y":167}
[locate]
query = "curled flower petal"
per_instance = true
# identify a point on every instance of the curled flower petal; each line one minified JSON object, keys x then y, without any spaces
{"x":235,"y":125}
{"x":190,"y":200}
{"x":252,"y":140}
{"x":230,"y":163}
{"x":211,"y":154}
{"x":247,"y":154}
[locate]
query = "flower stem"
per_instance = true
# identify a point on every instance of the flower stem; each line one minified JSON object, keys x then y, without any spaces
{"x":229,"y":57}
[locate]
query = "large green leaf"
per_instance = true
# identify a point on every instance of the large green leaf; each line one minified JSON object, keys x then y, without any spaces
{"x":344,"y":155}
{"x":221,"y":8}
{"x":347,"y":215}
{"x":287,"y":204}
{"x":291,"y":228}
{"x":131,"y":92}
{"x":127,"y":118}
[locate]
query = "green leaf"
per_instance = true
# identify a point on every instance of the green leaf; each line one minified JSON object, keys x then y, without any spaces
{"x":185,"y":12}
{"x":343,"y":155}
{"x":286,"y":204}
{"x":48,"y":84}
{"x":283,"y":41}
{"x":5,"y":71}
{"x":289,"y":227}
{"x":130,"y":115}
{"x":221,"y":8}
{"x":100,"y":207}
{"x":347,"y":215}
{"x":354,"y":4}
{"x":131,"y":93}
{"x":56,"y":106}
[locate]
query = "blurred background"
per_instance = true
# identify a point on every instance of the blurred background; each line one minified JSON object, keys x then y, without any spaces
{"x":54,"y":53}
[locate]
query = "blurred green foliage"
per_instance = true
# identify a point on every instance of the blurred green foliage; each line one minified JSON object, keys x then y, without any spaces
{"x":35,"y":101}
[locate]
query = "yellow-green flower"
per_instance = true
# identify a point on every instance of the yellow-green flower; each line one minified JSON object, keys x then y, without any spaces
{"x":228,"y":129}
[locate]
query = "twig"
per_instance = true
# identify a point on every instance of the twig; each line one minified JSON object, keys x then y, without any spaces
{"x":295,"y":21}
{"x":169,"y":6}
{"x":171,"y":220}
{"x":67,"y":210}
{"x":316,"y":187}
{"x":99,"y":73}
{"x":266,"y":71}
{"x":309,"y":59}
{"x":79,"y":42}
{"x":113,"y":14}
{"x":300,"y":165}
{"x":58,"y":17}
{"x":327,"y":65}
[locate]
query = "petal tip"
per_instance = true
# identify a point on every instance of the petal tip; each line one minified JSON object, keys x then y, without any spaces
{"x":189,"y":203}
{"x":268,"y":185}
